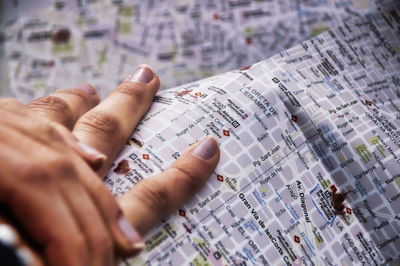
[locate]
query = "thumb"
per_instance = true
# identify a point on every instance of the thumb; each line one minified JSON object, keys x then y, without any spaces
{"x":154,"y":198}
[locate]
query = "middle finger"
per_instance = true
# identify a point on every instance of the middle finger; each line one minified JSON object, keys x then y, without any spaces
{"x":107,"y":126}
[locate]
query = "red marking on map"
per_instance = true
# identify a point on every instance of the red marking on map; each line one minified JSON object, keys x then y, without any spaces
{"x":197,"y":94}
{"x":296,"y":239}
{"x":348,"y":210}
{"x":182,"y":213}
{"x":294,"y":118}
{"x":367,"y":102}
{"x":216,"y":16}
{"x":333,"y":188}
{"x":122,"y":167}
{"x":220,"y":178}
{"x":226,"y":133}
{"x":337,"y":200}
{"x":249,"y":40}
{"x":146,"y":156}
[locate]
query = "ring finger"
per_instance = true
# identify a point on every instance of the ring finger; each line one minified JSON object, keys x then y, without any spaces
{"x":66,"y":106}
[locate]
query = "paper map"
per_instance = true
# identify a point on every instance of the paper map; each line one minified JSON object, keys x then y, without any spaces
{"x":310,"y":138}
{"x":313,"y":121}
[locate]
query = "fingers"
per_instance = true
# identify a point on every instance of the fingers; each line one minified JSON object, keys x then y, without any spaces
{"x":79,"y":227}
{"x":107,"y":126}
{"x":36,"y":202}
{"x":61,"y":238}
{"x":50,"y":159}
{"x":65,"y":106}
{"x":154,"y":198}
{"x":90,"y":222}
{"x":128,"y":242}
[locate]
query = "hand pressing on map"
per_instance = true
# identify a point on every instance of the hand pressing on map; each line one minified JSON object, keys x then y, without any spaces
{"x":54,"y":153}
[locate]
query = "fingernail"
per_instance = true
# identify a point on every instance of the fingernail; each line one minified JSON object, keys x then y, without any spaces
{"x":25,"y":256}
{"x":206,"y":148}
{"x":91,"y":151}
{"x":142,"y":74}
{"x":131,"y":234}
{"x":7,"y":235}
{"x":87,"y":88}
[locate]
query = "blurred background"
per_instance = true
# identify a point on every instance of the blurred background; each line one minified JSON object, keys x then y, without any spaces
{"x":52,"y":44}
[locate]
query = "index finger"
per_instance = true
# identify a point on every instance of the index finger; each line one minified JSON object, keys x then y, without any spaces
{"x":154,"y":198}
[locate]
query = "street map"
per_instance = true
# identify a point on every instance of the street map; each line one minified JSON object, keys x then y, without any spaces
{"x":310,"y":137}
{"x":309,"y":172}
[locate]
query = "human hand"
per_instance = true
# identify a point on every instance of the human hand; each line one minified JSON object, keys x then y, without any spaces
{"x":48,"y":185}
{"x":95,"y":222}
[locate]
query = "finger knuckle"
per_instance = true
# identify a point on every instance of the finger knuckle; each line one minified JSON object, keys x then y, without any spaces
{"x":189,"y":181}
{"x":100,"y":123}
{"x":79,"y":241}
{"x":45,"y":132}
{"x":35,"y":173}
{"x":154,"y":195}
{"x":103,"y":243}
{"x":137,"y":91}
{"x":63,"y":165}
{"x":54,"y":105}
{"x":77,"y":244}
{"x":50,"y":102}
{"x":46,"y":172}
{"x":51,"y":132}
{"x":74,"y":242}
